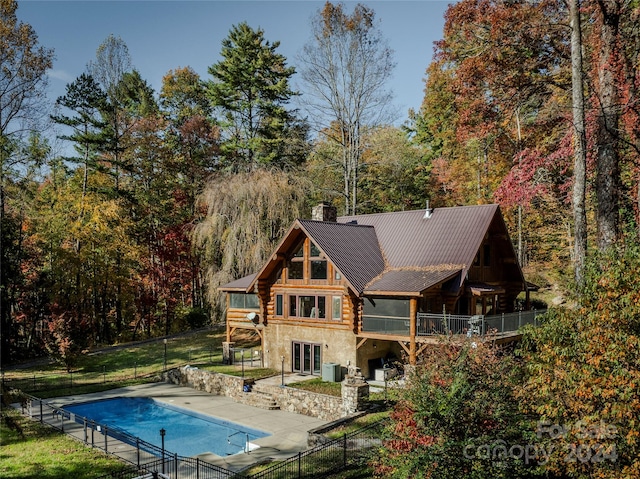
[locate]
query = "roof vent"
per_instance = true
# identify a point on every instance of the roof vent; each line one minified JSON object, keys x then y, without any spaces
{"x":428,"y":211}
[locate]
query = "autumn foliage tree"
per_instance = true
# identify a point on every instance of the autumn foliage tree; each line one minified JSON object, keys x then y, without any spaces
{"x":583,"y":372}
{"x":503,"y":117}
{"x":23,"y":82}
{"x":458,"y":417}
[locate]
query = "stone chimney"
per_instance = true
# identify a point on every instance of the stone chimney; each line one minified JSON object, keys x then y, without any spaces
{"x":324,"y":212}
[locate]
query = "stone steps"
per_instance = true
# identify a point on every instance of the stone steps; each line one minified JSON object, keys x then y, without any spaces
{"x":260,"y":399}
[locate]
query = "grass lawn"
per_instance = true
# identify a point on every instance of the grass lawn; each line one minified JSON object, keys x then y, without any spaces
{"x":45,"y":453}
{"x":127,"y":365}
{"x":317,"y":385}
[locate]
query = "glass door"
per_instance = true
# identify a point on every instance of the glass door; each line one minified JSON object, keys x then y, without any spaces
{"x":316,"y":360}
{"x":306,"y":363}
{"x":306,"y":358}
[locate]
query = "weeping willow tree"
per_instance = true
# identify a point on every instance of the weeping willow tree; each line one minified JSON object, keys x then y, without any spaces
{"x":247,"y":214}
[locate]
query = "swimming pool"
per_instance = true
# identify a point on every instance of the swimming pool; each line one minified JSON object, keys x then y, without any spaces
{"x":187,"y":433}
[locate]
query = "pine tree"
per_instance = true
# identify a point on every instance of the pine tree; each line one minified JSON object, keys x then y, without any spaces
{"x":250,"y":87}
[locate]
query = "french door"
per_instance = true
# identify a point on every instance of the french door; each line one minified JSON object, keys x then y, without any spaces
{"x":306,"y":358}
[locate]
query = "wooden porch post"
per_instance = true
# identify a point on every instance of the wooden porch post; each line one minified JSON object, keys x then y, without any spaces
{"x":226,"y":316}
{"x":413,"y":313}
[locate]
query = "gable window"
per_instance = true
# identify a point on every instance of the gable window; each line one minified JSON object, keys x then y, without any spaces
{"x":277,"y":276}
{"x":318,"y":264}
{"x":486,"y":255}
{"x":318,"y":269}
{"x":296,"y":270}
{"x":307,"y":263}
{"x":296,"y":264}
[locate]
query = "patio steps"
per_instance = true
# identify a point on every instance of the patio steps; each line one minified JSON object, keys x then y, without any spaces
{"x":261,"y":399}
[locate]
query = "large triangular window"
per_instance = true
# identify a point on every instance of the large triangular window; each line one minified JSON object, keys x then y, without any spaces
{"x":316,"y":269}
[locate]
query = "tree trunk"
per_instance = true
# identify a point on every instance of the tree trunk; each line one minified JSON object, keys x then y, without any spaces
{"x":5,"y":318}
{"x":580,"y":151}
{"x":519,"y":132}
{"x":608,"y":168}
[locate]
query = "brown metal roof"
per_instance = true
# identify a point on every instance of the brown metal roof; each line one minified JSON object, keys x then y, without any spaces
{"x":353,"y":249}
{"x":400,"y":252}
{"x":409,"y":281}
{"x":239,"y":284}
{"x":450,"y":236}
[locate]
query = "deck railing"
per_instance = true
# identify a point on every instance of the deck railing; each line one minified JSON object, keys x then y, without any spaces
{"x":429,"y":324}
{"x":378,"y":324}
{"x":433,"y":324}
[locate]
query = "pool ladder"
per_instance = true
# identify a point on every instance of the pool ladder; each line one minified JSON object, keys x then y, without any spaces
{"x":245,"y":446}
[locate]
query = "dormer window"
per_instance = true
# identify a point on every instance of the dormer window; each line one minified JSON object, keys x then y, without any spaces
{"x":318,"y":269}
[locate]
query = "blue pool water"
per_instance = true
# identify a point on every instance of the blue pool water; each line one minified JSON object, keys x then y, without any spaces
{"x":187,"y":433}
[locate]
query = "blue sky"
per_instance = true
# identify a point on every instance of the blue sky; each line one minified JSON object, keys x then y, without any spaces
{"x":163,"y":35}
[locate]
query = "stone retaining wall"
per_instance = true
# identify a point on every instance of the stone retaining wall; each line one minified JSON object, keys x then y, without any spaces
{"x":308,"y":403}
{"x":201,"y":380}
{"x":318,"y":435}
{"x":355,"y":393}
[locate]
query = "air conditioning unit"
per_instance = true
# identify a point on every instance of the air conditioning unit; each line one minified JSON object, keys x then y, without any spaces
{"x":331,"y":372}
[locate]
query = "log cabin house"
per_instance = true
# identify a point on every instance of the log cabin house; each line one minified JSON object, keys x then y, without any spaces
{"x":354,"y":290}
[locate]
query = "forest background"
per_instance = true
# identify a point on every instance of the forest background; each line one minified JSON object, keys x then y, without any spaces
{"x":533,"y":105}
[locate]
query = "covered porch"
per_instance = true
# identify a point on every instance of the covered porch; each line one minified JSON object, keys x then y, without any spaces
{"x":430,"y":324}
{"x":400,"y":320}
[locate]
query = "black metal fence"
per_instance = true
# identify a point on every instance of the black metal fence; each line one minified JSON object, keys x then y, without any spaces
{"x":331,"y":457}
{"x":146,"y":457}
{"x":149,"y":460}
{"x":38,"y":382}
{"x":175,"y":468}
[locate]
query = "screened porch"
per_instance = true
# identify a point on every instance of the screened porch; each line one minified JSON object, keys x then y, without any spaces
{"x":393,"y":317}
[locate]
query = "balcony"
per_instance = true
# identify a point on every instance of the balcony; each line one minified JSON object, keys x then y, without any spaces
{"x":429,"y":324}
